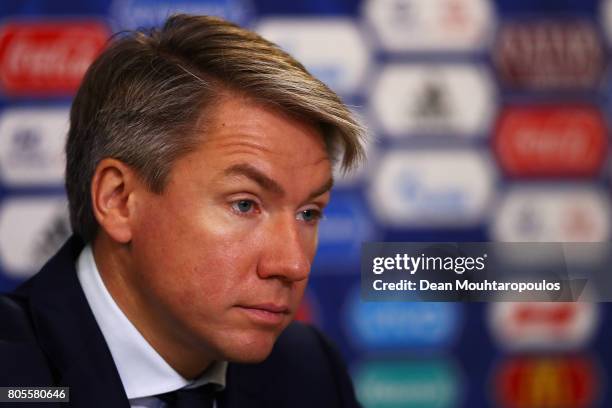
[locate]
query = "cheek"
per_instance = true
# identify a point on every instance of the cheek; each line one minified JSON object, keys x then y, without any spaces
{"x":196,"y":259}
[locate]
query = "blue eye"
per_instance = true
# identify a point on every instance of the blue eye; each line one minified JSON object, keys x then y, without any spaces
{"x":243,"y":206}
{"x":310,"y":215}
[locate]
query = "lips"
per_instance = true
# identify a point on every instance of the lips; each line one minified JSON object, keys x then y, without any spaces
{"x":266,"y":313}
{"x":270,"y":307}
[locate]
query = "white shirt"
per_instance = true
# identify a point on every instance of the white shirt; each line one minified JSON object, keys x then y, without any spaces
{"x":143,"y":372}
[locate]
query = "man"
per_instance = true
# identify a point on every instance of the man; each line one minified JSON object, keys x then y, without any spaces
{"x":199,"y":161}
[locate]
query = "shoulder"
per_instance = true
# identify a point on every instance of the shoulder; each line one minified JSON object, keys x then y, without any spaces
{"x":23,"y":361}
{"x":20,"y":335}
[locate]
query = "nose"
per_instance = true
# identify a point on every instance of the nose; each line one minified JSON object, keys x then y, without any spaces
{"x":286,"y":253}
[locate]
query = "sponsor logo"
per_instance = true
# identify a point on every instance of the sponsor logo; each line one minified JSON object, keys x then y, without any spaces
{"x":411,"y":383}
{"x":413,"y":99}
{"x":546,"y":214}
{"x":32,"y":146}
{"x":433,"y":25}
{"x":549,"y":54}
{"x":31,"y":230}
{"x":47,"y":58}
{"x":543,"y":325}
{"x":132,"y":14}
{"x":345,"y":226}
{"x":341,"y":63}
{"x":542,"y":382}
{"x":606,"y":16}
{"x":433,"y":188}
{"x":401,"y":325}
{"x":309,"y":310}
{"x":551,"y":141}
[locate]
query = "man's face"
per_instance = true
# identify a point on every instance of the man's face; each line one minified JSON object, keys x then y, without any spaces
{"x":221,"y":258}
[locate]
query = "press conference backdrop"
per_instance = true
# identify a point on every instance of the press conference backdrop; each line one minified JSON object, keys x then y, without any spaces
{"x":489,"y":122}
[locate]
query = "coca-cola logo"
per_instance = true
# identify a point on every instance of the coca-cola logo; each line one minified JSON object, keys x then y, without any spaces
{"x":48,"y":58}
{"x":551,"y":140}
{"x":549,"y":54}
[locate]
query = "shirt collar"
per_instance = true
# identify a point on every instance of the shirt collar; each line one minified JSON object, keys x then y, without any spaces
{"x":142,"y":370}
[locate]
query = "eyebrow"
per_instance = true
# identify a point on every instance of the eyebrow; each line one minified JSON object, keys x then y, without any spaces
{"x":322,"y":190}
{"x":267,"y":183}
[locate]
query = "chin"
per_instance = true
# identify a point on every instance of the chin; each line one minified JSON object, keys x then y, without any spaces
{"x":248,"y":347}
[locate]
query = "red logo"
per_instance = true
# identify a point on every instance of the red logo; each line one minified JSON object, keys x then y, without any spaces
{"x":308,"y":310}
{"x":48,"y":58}
{"x":557,"y":316}
{"x":544,"y":141}
{"x":543,"y":325}
{"x":546,"y":383}
{"x":549,"y":54}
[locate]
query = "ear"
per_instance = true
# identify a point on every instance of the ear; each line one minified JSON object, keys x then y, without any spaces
{"x":112,"y":193}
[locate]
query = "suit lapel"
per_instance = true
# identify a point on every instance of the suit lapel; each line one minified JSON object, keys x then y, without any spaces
{"x":69,"y":335}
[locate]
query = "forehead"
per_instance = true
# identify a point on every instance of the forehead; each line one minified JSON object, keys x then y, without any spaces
{"x":244,"y":126}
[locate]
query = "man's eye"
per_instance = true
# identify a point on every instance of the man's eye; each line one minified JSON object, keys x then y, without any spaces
{"x":243,"y":206}
{"x":310,"y":215}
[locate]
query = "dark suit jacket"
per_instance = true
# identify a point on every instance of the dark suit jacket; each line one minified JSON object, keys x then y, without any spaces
{"x":63,"y":346}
